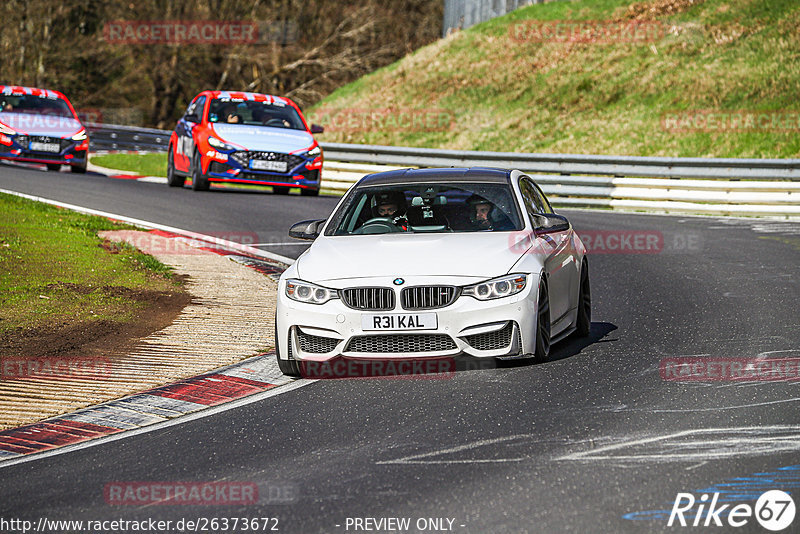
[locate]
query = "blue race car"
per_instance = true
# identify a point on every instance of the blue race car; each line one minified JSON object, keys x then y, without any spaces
{"x":246,"y":138}
{"x":41,"y":126}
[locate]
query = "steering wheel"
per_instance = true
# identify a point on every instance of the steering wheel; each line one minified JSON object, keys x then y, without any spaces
{"x":378,"y":225}
{"x":276,"y":123}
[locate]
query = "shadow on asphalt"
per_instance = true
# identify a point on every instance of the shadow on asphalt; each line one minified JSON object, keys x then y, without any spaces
{"x":570,"y":346}
{"x":443,"y":367}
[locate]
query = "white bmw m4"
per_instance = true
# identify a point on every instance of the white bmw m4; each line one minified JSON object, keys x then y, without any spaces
{"x":433,"y":263}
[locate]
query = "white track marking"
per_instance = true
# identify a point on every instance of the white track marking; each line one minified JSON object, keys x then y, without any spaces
{"x":763,"y":355}
{"x":277,"y":390}
{"x":720,"y":408}
{"x":214,"y":410}
{"x":733,"y":442}
{"x":155,"y":226}
{"x":701,"y":464}
{"x":152,"y":180}
{"x":418,"y":458}
{"x":294,"y":243}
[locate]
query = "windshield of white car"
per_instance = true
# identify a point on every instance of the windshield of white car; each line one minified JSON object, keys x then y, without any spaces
{"x":38,"y":105}
{"x":249,"y":112}
{"x":427,"y":208}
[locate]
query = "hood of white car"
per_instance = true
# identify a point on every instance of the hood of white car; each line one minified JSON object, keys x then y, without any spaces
{"x":36,"y":124}
{"x":475,"y":254}
{"x":264,"y":138}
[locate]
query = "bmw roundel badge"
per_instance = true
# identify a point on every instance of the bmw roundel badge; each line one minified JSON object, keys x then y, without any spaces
{"x":398,"y":281}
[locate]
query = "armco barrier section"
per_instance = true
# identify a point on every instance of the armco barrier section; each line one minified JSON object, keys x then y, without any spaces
{"x":679,"y":185}
{"x":113,"y":137}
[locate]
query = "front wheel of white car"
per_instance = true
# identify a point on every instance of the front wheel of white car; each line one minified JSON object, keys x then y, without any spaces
{"x":542,"y":325}
{"x":287,"y":367}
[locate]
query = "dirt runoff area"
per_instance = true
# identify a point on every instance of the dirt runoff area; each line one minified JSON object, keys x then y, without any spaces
{"x":159,"y":309}
{"x":226,"y":315}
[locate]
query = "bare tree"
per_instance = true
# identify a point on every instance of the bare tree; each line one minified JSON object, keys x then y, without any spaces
{"x":309,"y":48}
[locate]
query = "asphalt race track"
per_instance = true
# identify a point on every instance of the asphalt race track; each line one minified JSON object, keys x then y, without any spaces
{"x":596,"y":440}
{"x":241,"y":216}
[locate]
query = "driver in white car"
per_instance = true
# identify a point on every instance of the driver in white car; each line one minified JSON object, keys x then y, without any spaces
{"x":392,"y":205}
{"x":387,"y":209}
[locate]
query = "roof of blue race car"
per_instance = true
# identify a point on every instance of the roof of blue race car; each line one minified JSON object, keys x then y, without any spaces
{"x":241,"y":95}
{"x":35,"y":91}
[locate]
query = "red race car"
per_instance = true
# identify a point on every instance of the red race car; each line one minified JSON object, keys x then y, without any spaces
{"x":246,"y":138}
{"x":40,"y":126}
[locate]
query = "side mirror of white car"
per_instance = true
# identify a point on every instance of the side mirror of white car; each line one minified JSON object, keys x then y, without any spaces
{"x":306,"y":229}
{"x":550,"y":223}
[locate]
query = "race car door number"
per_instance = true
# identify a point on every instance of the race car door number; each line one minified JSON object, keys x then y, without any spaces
{"x":399,"y":321}
{"x":45,"y":147}
{"x":264,"y":165}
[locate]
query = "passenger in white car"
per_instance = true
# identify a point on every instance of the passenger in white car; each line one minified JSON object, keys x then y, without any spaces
{"x":484,"y":215}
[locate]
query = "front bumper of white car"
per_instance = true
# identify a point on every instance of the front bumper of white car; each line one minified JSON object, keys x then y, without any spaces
{"x":482,"y":328}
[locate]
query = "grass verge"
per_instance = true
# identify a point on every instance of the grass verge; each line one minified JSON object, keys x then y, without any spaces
{"x":143,"y":164}
{"x":60,"y":282}
{"x":501,"y":89}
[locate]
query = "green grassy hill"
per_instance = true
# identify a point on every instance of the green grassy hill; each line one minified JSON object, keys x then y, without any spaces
{"x":497,"y":86}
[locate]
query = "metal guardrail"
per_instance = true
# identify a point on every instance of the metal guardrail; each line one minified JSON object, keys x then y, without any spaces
{"x":714,"y":197}
{"x":111,"y":137}
{"x":685,"y":185}
{"x":568,"y":164}
{"x":114,"y":137}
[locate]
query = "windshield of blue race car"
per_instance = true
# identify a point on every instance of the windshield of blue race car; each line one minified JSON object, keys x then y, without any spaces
{"x":251,"y":113}
{"x":427,"y":208}
{"x":34,"y":104}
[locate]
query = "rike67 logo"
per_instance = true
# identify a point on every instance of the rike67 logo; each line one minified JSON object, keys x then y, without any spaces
{"x":774,"y":510}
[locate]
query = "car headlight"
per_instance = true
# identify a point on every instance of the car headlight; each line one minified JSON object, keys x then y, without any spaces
{"x":80,"y":136}
{"x":497,"y":288}
{"x":7,"y":130}
{"x":220,"y":145}
{"x":309,"y":293}
{"x":316,"y":151}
